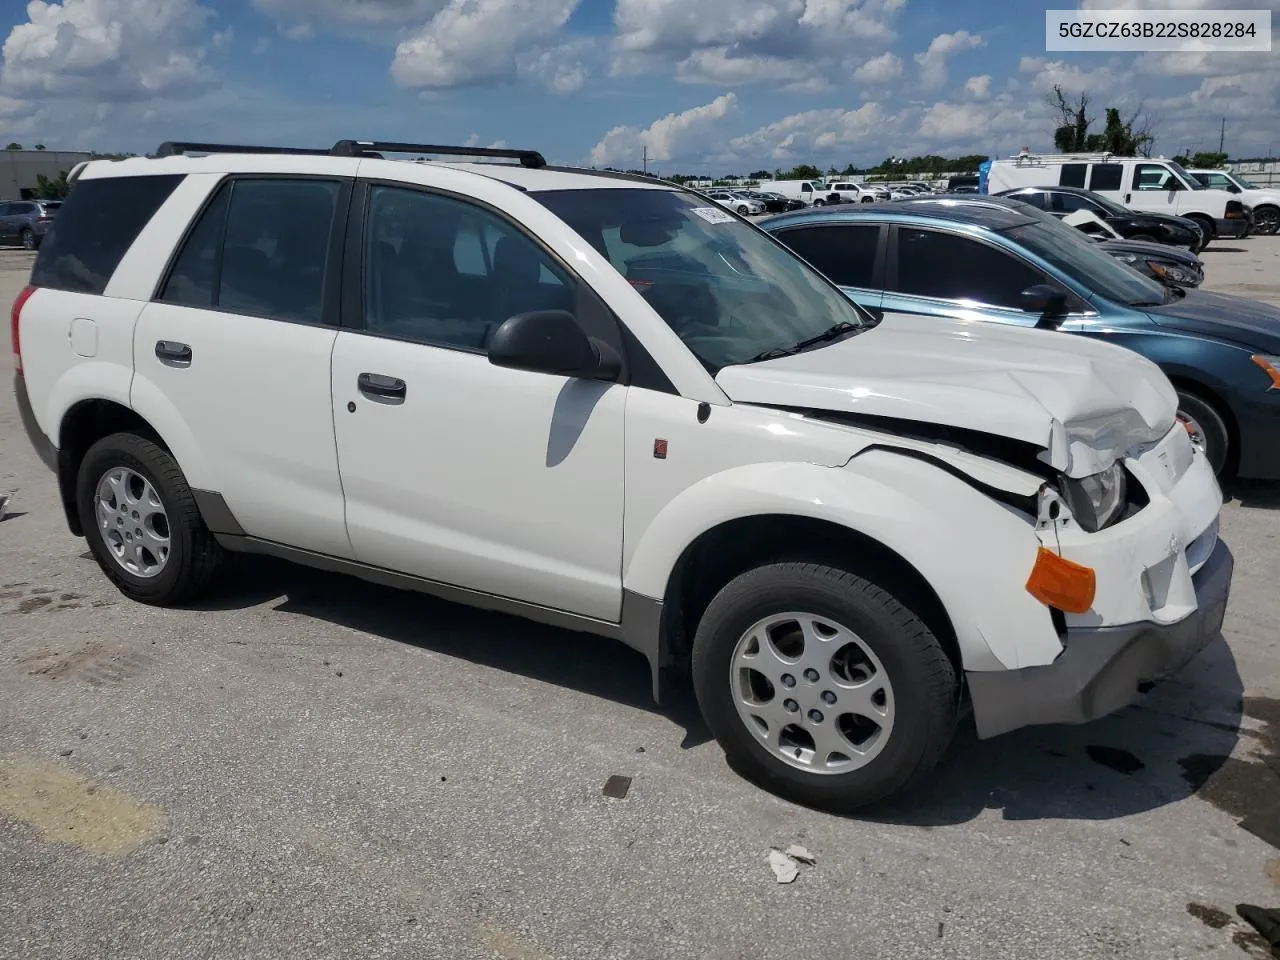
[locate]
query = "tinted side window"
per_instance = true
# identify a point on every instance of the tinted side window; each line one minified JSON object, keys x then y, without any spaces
{"x":444,"y":272}
{"x":260,"y":248}
{"x":1105,"y":176}
{"x":95,"y":228}
{"x":846,"y":254}
{"x":1072,"y":175}
{"x":5,"y":209}
{"x":1034,"y":197}
{"x":1071,"y":202}
{"x":941,"y":265}
{"x":193,"y":281}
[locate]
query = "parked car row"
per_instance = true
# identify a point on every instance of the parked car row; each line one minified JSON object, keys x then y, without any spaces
{"x":1004,"y":261}
{"x":847,"y":513}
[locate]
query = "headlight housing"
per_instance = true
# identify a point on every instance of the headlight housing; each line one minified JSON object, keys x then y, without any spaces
{"x":1171,"y":272}
{"x":1097,"y":501}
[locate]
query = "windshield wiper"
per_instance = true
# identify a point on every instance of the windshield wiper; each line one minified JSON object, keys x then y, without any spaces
{"x":836,"y":330}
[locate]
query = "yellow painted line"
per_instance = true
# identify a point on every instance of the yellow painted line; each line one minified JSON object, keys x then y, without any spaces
{"x":69,"y":808}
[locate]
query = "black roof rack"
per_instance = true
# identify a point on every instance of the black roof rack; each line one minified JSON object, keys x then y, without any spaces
{"x":176,"y":148}
{"x":363,"y":148}
{"x":357,"y":148}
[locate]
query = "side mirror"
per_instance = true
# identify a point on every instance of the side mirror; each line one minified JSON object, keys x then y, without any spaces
{"x":1044,"y":299}
{"x":1234,"y":189}
{"x":550,"y":341}
{"x":1174,"y":185}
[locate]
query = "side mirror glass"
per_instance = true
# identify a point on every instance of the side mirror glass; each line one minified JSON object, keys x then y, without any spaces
{"x":551,"y":341}
{"x":1044,"y":299}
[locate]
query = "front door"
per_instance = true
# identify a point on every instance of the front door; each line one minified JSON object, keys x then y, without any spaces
{"x":457,"y":471}
{"x":1154,"y":188}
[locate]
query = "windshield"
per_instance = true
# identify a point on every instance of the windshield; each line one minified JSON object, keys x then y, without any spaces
{"x":1186,"y":178}
{"x":1241,"y":182}
{"x":726,"y":288}
{"x":1109,"y":205}
{"x":1067,"y":249}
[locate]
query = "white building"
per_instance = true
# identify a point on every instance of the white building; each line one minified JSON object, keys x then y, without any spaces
{"x":20,"y":168}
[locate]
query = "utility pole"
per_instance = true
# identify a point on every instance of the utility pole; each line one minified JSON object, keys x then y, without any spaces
{"x":1222,"y":137}
{"x":645,"y":161}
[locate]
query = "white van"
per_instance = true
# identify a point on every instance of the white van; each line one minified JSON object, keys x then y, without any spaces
{"x":1156,"y":185}
{"x":813,"y":193}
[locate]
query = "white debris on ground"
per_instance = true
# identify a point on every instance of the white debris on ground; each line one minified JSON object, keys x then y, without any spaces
{"x":801,"y":855}
{"x":784,"y":868}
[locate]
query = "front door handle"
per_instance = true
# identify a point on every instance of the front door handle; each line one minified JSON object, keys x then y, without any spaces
{"x":173,"y":353}
{"x":381,"y":388}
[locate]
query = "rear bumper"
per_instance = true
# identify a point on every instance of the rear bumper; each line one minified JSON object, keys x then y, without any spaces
{"x":1103,"y":669}
{"x":44,"y":447}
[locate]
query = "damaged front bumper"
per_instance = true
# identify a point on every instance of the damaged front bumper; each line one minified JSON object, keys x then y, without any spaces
{"x":1102,"y":669}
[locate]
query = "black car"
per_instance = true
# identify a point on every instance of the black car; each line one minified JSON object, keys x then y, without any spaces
{"x":775,"y":202}
{"x":966,"y":183}
{"x":1130,"y":224}
{"x":1171,"y":266}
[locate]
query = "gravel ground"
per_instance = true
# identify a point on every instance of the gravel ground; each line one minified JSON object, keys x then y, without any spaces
{"x":310,"y":766}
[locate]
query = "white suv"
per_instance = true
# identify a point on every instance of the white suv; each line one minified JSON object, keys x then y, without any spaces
{"x":599,"y":401}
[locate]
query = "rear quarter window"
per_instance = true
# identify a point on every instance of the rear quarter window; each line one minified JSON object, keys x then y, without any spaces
{"x":96,"y":225}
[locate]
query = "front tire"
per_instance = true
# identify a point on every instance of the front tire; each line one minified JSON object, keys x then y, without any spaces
{"x":821,"y":686}
{"x":743,"y":210}
{"x":142,"y":523}
{"x":1207,"y":429}
{"x":28,"y":239}
{"x":1207,"y":229}
{"x":1266,"y":220}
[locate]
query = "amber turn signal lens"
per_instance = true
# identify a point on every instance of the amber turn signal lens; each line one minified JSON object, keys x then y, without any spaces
{"x":1268,"y":364}
{"x":1059,"y":583}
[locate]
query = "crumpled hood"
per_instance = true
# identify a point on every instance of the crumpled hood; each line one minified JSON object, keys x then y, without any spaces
{"x":1156,"y":251}
{"x":1083,"y":402}
{"x":1249,"y":322}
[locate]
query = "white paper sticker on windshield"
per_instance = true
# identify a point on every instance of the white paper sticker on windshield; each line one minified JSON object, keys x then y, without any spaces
{"x":714,"y":214}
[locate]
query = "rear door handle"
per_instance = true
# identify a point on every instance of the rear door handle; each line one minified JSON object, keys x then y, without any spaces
{"x":381,"y":388}
{"x":173,"y":353}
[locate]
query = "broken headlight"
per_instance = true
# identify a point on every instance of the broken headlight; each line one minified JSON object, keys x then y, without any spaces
{"x":1097,"y":501}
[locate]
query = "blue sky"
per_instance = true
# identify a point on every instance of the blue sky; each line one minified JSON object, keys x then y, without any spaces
{"x":715,"y":85}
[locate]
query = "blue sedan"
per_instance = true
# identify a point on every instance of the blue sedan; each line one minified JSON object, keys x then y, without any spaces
{"x":987,"y":259}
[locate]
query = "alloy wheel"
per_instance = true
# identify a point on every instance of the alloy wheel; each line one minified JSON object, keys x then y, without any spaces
{"x":132,"y":522}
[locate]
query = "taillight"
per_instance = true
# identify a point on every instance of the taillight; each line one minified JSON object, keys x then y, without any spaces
{"x":15,"y":319}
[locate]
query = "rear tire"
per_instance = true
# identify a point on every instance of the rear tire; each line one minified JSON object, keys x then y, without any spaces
{"x":863,"y":708}
{"x":1206,"y":427}
{"x":142,"y":523}
{"x":28,"y":239}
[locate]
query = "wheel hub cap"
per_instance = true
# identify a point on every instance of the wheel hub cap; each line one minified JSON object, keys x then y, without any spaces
{"x":132,"y":522}
{"x":1194,"y":431}
{"x":812,"y":692}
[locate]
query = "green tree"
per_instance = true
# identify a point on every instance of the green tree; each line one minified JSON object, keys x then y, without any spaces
{"x":39,"y":146}
{"x":1206,"y":160}
{"x":52,"y":188}
{"x":761,"y":175}
{"x":14,"y":146}
{"x":804,"y":171}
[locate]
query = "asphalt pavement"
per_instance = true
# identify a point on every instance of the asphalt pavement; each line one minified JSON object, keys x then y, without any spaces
{"x":309,"y":766}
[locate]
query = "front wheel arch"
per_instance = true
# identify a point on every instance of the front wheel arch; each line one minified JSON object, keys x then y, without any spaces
{"x":723,"y":552}
{"x":1210,"y":398}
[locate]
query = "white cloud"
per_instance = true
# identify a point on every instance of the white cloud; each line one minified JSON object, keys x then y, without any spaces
{"x":675,"y":136}
{"x":107,"y":50}
{"x":223,"y":38}
{"x":472,"y":42}
{"x":978,"y":87}
{"x":812,"y":133}
{"x":933,"y":62}
{"x":881,"y":69}
{"x":562,"y":68}
{"x":800,"y":44}
{"x":299,"y":31}
{"x":261,"y":45}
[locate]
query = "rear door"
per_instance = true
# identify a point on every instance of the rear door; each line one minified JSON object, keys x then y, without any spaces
{"x":935,"y":273}
{"x":851,"y":255}
{"x":1108,"y":179}
{"x":7,"y":232}
{"x":236,"y":347}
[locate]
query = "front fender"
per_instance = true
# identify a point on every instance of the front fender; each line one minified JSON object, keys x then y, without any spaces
{"x":974,"y":552}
